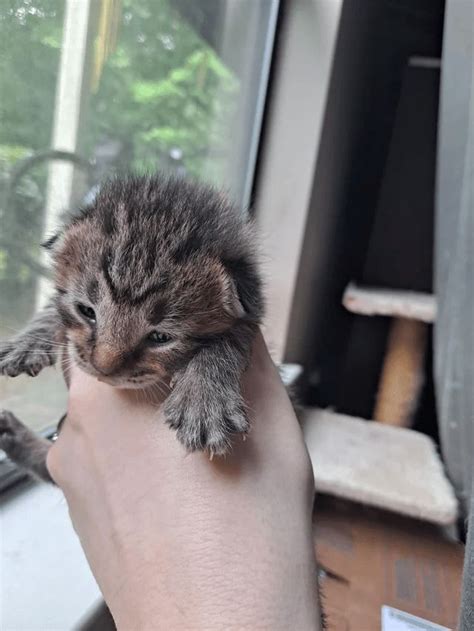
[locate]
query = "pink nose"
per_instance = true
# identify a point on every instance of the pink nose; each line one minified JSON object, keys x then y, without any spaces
{"x":106,"y":360}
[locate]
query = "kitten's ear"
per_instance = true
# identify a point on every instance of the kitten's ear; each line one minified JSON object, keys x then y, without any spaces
{"x":230,"y":296}
{"x":247,"y":285}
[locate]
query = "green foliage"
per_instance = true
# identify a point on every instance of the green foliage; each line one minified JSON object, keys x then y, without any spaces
{"x":28,"y":70}
{"x":164,"y":88}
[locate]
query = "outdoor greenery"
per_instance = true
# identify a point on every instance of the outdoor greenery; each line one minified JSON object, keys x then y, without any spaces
{"x":163,"y":97}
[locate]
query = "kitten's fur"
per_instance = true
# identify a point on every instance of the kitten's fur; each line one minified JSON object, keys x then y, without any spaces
{"x":150,"y":254}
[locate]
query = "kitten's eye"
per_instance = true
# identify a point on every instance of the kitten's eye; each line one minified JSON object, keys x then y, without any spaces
{"x":87,"y":312}
{"x":159,"y":338}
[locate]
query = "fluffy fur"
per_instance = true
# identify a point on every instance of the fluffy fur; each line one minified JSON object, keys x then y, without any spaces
{"x":156,"y":280}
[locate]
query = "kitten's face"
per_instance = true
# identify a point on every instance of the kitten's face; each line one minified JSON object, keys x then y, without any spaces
{"x":132,"y":319}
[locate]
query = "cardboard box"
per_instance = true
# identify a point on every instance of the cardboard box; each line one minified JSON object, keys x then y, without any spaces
{"x":371,"y":559}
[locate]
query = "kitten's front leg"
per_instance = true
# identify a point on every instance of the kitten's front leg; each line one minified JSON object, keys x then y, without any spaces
{"x":205,"y":406}
{"x":23,"y":446}
{"x":34,"y":348}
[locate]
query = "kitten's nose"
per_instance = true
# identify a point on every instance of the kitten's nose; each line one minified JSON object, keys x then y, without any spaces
{"x":106,"y":359}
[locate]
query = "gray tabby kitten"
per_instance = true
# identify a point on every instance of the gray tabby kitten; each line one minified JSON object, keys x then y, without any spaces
{"x":155,"y":279}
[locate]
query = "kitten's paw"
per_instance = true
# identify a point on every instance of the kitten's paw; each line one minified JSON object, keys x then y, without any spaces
{"x":23,"y":446}
{"x":205,"y":418}
{"x":12,"y":431}
{"x":20,"y":357}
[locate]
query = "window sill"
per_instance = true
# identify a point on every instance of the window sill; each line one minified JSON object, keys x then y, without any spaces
{"x":46,"y":582}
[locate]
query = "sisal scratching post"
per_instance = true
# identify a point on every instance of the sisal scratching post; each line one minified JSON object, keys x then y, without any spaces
{"x":402,"y":373}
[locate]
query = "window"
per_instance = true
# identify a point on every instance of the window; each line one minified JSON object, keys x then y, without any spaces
{"x":94,"y":87}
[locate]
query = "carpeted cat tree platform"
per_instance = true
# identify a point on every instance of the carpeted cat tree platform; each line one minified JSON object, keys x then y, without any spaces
{"x":384,"y":463}
{"x":392,"y":468}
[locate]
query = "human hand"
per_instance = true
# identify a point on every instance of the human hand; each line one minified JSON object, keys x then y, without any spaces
{"x":176,"y":541}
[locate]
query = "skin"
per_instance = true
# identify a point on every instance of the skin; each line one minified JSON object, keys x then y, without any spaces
{"x":176,"y":541}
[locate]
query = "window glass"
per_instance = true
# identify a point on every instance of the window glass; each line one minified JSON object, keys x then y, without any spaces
{"x":94,"y":87}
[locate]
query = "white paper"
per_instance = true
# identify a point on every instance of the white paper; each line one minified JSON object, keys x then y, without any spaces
{"x":396,"y":620}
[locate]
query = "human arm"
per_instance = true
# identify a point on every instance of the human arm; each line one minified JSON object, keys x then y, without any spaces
{"x":176,"y":541}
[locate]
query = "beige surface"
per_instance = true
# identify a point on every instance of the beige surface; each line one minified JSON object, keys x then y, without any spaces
{"x":388,"y":467}
{"x":294,"y":123}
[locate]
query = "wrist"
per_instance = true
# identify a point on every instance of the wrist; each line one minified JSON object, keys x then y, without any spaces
{"x":208,"y":581}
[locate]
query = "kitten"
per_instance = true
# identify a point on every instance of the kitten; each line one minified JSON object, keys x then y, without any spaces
{"x":155,"y":279}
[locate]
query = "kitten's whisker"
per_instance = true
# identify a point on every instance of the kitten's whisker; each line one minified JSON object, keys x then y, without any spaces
{"x":154,"y":387}
{"x":144,"y":393}
{"x":49,"y":348}
{"x":164,"y":387}
{"x":68,"y":362}
{"x":39,"y":352}
{"x":159,"y":386}
{"x":248,"y":408}
{"x":147,"y":394}
{"x":29,"y":336}
{"x":25,"y":333}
